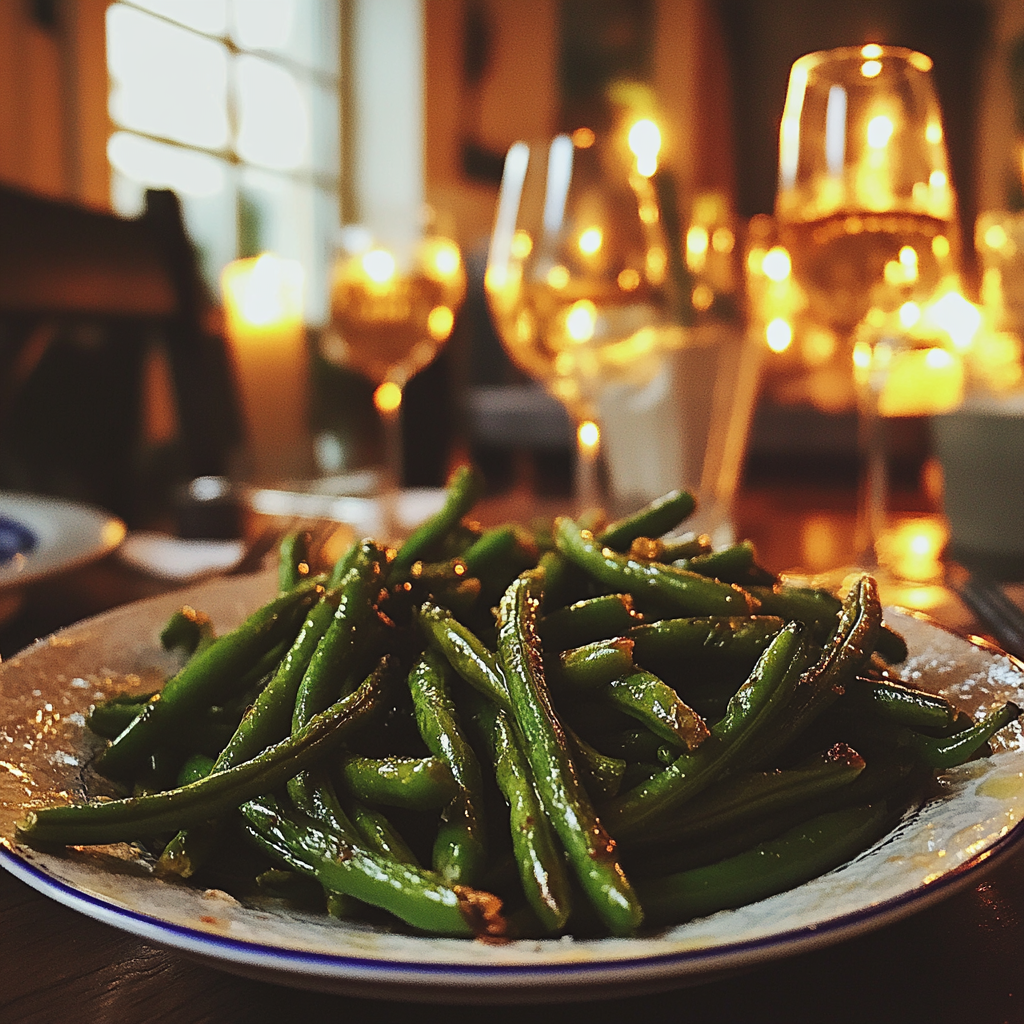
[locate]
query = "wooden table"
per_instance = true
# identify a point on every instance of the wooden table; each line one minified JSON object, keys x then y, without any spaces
{"x":957,"y":961}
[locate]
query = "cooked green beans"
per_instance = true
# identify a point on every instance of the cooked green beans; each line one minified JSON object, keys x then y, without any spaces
{"x":590,"y":849}
{"x":704,"y":744}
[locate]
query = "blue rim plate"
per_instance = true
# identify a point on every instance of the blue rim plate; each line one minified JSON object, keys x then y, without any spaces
{"x":44,"y":750}
{"x":67,"y":534}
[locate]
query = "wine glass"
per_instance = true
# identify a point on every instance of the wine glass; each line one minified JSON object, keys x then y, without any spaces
{"x":867,"y":215}
{"x":578,"y":277}
{"x":394,"y":296}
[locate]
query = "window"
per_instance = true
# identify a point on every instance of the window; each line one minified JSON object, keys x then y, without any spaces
{"x":233,"y":104}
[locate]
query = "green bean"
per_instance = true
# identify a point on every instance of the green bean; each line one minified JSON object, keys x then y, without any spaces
{"x":799,"y":855}
{"x":335,"y":654}
{"x":266,"y":722}
{"x":538,"y":856}
{"x":654,"y":703}
{"x":733,"y":564}
{"x":464,"y":489}
{"x":208,"y":677}
{"x":948,"y":751}
{"x":404,"y":890}
{"x":196,"y":767}
{"x":593,"y":666}
{"x":728,"y":805}
{"x":416,"y":783}
{"x":752,"y":711}
{"x":460,"y":849}
{"x":681,"y":592}
{"x":815,"y":607}
{"x":188,"y":630}
{"x":601,"y":774}
{"x":379,"y":834}
{"x":115,"y":821}
{"x":721,"y":639}
{"x":654,"y":520}
{"x":902,"y":704}
{"x":498,"y":557}
{"x":844,"y":656}
{"x":891,"y":646}
{"x":595,"y":618}
{"x":590,"y":849}
{"x":292,"y":560}
{"x":109,"y":718}
{"x":465,"y":653}
{"x":684,"y":547}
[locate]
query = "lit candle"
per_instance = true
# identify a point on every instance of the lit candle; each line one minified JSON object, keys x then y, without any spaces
{"x":263,"y":306}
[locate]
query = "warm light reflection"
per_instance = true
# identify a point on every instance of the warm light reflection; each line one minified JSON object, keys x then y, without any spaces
{"x":956,"y":316}
{"x":776,"y":264}
{"x":910,"y":313}
{"x":581,"y":320}
{"x":779,"y":335}
{"x":702,"y":297}
{"x":558,"y":277}
{"x":871,"y":51}
{"x":588,"y":434}
{"x":871,"y":68}
{"x":697,"y":239}
{"x":645,"y":143}
{"x":995,"y":236}
{"x":723,"y":240}
{"x":938,"y":179}
{"x":880,"y":131}
{"x":522,"y":244}
{"x":388,"y":397}
{"x":440,"y":321}
{"x":940,"y":247}
{"x":590,"y":241}
{"x":628,"y":279}
{"x":583,"y":138}
{"x":933,"y":132}
{"x":379,"y":265}
{"x":445,"y":258}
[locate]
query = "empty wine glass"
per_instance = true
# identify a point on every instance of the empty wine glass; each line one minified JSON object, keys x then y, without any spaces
{"x":578,"y":277}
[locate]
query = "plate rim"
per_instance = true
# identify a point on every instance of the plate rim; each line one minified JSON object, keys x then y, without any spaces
{"x":477,"y":981}
{"x":106,"y":533}
{"x":343,"y":967}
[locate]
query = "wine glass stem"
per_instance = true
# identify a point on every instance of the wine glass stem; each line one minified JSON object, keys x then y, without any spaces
{"x":874,"y":486}
{"x":586,"y":486}
{"x":391,"y":477}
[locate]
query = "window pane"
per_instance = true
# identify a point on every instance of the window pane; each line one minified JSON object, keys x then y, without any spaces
{"x":203,"y":183}
{"x":166,"y":80}
{"x":209,"y":16}
{"x":262,"y":24}
{"x":273,"y":115}
{"x":305,"y":31}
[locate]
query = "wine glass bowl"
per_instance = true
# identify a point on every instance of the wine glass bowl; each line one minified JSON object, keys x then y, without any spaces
{"x":578,"y":276}
{"x":865,"y":205}
{"x":393,"y":303}
{"x":394,"y":297}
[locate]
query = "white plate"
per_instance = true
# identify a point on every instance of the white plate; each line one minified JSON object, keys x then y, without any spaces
{"x":44,"y":750}
{"x":68,"y":534}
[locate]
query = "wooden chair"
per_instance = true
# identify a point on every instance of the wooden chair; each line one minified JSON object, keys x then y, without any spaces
{"x":83,"y":296}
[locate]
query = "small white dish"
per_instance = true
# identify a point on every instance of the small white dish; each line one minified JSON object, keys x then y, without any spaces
{"x":45,"y":750}
{"x":68,"y":534}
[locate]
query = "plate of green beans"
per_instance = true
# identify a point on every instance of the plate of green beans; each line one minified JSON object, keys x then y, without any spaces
{"x":512,"y":764}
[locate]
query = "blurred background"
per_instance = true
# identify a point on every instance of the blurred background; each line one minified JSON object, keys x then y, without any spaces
{"x":223,"y":129}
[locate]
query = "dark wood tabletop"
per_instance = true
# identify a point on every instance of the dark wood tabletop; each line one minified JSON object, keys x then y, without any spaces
{"x":958,"y":961}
